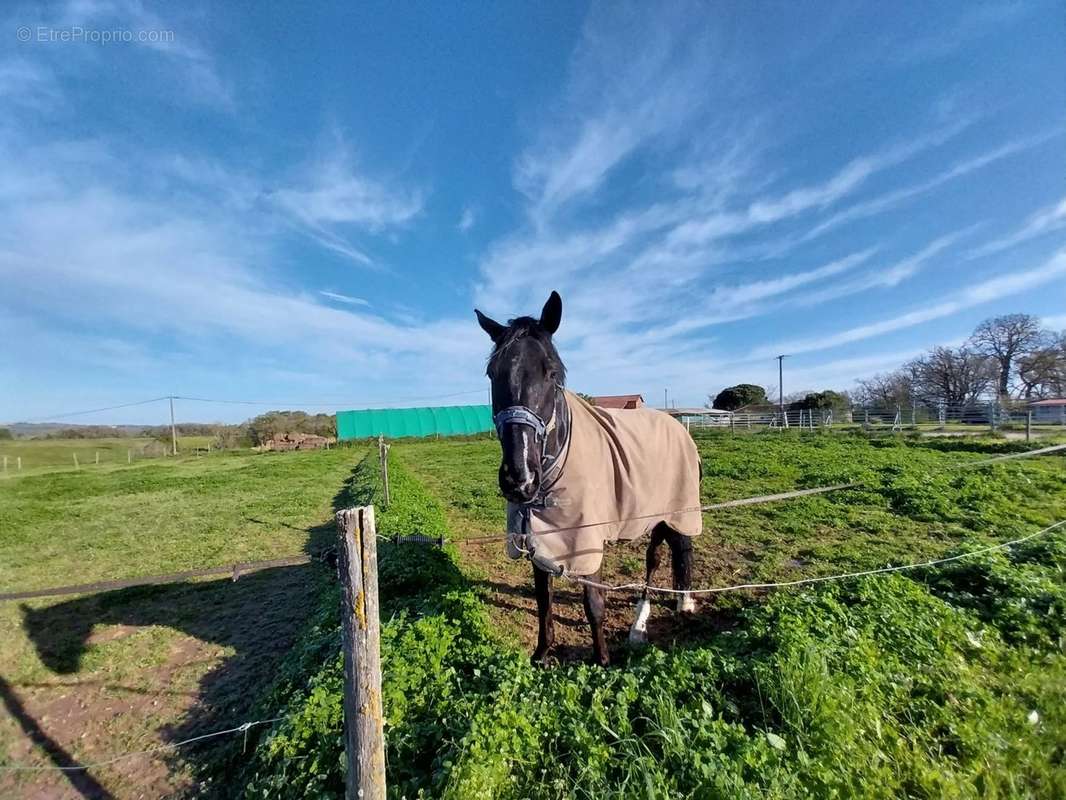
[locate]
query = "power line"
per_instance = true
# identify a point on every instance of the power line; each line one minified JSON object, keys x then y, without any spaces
{"x":325,"y":403}
{"x":95,"y":410}
{"x":275,"y":403}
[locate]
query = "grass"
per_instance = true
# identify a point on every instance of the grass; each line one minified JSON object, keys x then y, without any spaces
{"x":121,"y":670}
{"x":40,"y":455}
{"x":943,"y":683}
{"x":938,"y":683}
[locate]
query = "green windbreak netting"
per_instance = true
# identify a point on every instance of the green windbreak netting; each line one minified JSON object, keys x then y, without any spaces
{"x":398,"y":422}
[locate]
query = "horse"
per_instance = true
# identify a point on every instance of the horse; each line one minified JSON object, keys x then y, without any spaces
{"x":575,"y":476}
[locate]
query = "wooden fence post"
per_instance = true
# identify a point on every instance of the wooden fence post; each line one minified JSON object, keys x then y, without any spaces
{"x":361,"y":627}
{"x":383,"y":459}
{"x":75,"y":460}
{"x":1028,"y":425}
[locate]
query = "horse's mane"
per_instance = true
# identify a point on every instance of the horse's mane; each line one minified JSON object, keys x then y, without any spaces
{"x":528,"y":328}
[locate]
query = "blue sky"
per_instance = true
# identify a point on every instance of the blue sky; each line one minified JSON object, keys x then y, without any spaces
{"x":303,"y":206}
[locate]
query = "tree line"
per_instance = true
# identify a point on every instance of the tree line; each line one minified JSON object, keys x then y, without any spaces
{"x":1012,"y":357}
{"x":1007,"y":358}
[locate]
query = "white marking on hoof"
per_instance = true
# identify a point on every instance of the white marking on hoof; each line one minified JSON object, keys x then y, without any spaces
{"x":686,"y":603}
{"x":638,"y":634}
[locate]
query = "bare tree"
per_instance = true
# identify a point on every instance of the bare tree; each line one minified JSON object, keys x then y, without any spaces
{"x":1042,"y":372}
{"x":1006,"y":339}
{"x":956,"y":377}
{"x":886,"y":390}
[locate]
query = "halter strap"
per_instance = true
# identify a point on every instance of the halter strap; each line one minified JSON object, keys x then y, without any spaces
{"x":523,"y":415}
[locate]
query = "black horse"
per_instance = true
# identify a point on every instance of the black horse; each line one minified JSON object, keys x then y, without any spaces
{"x":533,"y":422}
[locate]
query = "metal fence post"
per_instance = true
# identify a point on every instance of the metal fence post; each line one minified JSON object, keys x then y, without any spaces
{"x":364,"y":741}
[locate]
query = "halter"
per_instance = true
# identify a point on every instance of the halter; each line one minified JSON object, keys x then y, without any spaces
{"x":523,"y":415}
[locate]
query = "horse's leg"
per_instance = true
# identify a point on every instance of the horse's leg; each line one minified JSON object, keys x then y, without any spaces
{"x":542,"y":581}
{"x":595,"y":607}
{"x":681,"y":562}
{"x":638,"y":633}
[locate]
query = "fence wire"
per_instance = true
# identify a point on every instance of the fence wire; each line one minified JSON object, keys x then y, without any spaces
{"x":242,"y":728}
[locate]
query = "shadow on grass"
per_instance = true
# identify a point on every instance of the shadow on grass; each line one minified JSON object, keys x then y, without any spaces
{"x":258,"y":618}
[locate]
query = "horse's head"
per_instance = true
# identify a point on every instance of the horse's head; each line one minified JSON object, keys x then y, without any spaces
{"x":527,"y":375}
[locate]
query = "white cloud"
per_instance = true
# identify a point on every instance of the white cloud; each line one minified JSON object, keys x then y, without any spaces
{"x":467,"y":219}
{"x":1044,"y":221}
{"x":346,"y":299}
{"x":977,"y":294}
{"x":897,"y":197}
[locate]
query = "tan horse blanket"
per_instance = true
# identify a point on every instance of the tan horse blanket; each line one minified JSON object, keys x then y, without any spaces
{"x":619,"y":464}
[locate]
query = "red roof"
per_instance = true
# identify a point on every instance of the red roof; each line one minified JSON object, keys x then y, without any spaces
{"x":618,"y":401}
{"x":1054,"y":401}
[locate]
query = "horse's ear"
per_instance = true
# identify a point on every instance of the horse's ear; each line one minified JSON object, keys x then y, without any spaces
{"x":494,"y":329}
{"x":552,"y":313}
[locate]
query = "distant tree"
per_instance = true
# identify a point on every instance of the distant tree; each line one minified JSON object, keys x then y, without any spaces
{"x":588,"y":398}
{"x":886,"y":390}
{"x":266,"y":426}
{"x":823,"y":401}
{"x":1007,"y":339}
{"x":958,"y":377}
{"x":5,"y":433}
{"x":734,"y":397}
{"x":1042,"y":372}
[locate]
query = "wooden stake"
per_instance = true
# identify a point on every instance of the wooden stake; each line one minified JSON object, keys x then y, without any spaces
{"x":129,"y":456}
{"x":1028,"y":425}
{"x":361,"y":628}
{"x":383,"y":459}
{"x":75,"y":460}
{"x":19,"y":460}
{"x":97,"y":458}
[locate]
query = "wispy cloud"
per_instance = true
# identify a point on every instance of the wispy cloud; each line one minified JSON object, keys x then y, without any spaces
{"x":343,"y":298}
{"x":1044,"y":221}
{"x":332,"y":200}
{"x":977,"y":294}
{"x":467,"y":219}
{"x":894,"y":199}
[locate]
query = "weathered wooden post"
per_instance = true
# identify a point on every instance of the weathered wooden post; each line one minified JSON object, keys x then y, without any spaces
{"x":383,"y":459}
{"x":75,"y":460}
{"x":361,"y":627}
{"x":1028,"y":425}
{"x":129,"y":456}
{"x":97,"y":458}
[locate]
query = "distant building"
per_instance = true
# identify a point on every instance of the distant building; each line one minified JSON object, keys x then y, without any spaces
{"x":700,"y":417}
{"x":297,"y":441}
{"x":1052,"y":410}
{"x":618,"y":401}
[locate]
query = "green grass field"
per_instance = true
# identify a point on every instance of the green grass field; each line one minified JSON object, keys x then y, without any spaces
{"x":946,"y":682}
{"x":38,"y":455}
{"x":123,"y":670}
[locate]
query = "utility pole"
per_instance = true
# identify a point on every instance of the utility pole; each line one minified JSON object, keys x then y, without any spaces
{"x":781,"y":384}
{"x":666,"y":403}
{"x":173,"y":430}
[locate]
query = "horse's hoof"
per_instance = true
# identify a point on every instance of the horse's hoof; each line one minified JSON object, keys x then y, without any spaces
{"x":540,"y":659}
{"x":686,"y":604}
{"x":638,"y":633}
{"x":638,"y":637}
{"x":603,"y":660}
